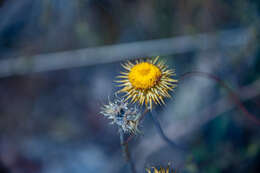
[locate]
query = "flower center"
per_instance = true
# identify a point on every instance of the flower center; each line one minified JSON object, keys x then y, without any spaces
{"x":144,"y":75}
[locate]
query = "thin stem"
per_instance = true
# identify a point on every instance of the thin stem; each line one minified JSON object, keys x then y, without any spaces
{"x":161,"y":132}
{"x":126,"y":152}
{"x":232,"y":94}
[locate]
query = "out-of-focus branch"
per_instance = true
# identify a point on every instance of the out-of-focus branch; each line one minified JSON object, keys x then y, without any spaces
{"x":232,"y":94}
{"x":106,"y":54}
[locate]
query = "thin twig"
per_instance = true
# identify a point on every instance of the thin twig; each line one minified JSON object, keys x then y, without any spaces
{"x":161,"y":132}
{"x":232,"y":94}
{"x":126,"y":152}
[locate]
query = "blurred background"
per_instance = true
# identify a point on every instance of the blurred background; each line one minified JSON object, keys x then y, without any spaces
{"x":59,"y":60}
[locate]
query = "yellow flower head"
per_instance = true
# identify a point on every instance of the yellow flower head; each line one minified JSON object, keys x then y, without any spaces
{"x":147,"y":81}
{"x":161,"y":170}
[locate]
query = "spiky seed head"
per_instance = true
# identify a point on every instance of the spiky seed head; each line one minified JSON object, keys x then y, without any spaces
{"x":122,"y":114}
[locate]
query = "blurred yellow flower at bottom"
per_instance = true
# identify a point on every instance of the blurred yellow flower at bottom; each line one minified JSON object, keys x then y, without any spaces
{"x":161,"y":170}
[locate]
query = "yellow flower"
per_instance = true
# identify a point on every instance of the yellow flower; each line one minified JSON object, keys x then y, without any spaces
{"x":147,"y":81}
{"x":161,"y":170}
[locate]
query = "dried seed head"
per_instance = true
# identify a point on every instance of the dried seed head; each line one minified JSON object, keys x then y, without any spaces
{"x":120,"y":112}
